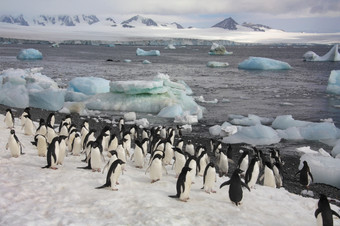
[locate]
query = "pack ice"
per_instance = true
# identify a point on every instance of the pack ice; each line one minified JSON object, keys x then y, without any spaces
{"x":141,"y":52}
{"x":334,"y":82}
{"x":217,"y":49}
{"x":29,"y":54}
{"x":332,"y":55}
{"x":262,"y":63}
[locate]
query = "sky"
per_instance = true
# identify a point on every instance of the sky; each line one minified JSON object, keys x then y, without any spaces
{"x":288,"y":15}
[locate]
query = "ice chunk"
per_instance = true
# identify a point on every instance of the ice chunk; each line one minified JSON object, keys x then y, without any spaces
{"x":141,"y":52}
{"x":215,"y":64}
{"x":171,"y":111}
{"x":332,"y":55}
{"x":336,"y":149}
{"x":14,"y":95}
{"x":319,"y":131}
{"x":89,"y":85}
{"x":73,"y":107}
{"x":255,"y":135}
{"x":217,"y":49}
{"x":262,"y":63}
{"x":170,"y":46}
{"x":334,"y":82}
{"x":71,"y":96}
{"x":292,"y":133}
{"x":127,"y":61}
{"x":146,"y":62}
{"x":186,"y":119}
{"x":142,"y":123}
{"x":49,"y":99}
{"x":138,"y":87}
{"x":287,"y":121}
{"x":324,"y":169}
{"x":29,"y":54}
{"x":130,"y":116}
{"x":215,"y":130}
{"x":227,"y":129}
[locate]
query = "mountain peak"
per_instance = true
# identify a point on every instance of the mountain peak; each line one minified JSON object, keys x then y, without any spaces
{"x":228,"y":24}
{"x":139,"y":19}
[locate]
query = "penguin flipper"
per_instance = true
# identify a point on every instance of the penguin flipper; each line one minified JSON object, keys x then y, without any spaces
{"x":245,"y":185}
{"x":311,"y":176}
{"x":316,"y":213}
{"x":174,"y":196}
{"x":103,"y":186}
{"x":225,"y":183}
{"x":336,"y":214}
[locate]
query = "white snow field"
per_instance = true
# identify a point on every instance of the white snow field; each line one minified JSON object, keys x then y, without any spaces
{"x":31,"y":195}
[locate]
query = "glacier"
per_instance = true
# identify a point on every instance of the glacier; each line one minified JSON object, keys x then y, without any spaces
{"x":332,"y":55}
{"x":29,"y":54}
{"x":141,"y":52}
{"x":334,"y":82}
{"x":262,"y":63}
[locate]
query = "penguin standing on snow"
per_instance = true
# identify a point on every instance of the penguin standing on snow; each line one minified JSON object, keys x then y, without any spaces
{"x":324,"y":213}
{"x":179,"y":162}
{"x":113,"y":175}
{"x":96,"y":156}
{"x":252,"y":173}
{"x":9,"y":118}
{"x":209,"y":178}
{"x":22,"y":117}
{"x":51,"y":156}
{"x":192,"y":164}
{"x":235,"y":188}
{"x":50,"y":119}
{"x":28,"y":126}
{"x":14,"y":145}
{"x":41,"y":143}
{"x":202,"y":162}
{"x":222,"y":162}
{"x":76,"y":145}
{"x":268,"y":177}
{"x":156,"y":168}
{"x":168,"y":152}
{"x":190,"y":148}
{"x":306,"y":176}
{"x":138,"y":155}
{"x":183,"y":185}
{"x":243,"y":162}
{"x":41,"y":128}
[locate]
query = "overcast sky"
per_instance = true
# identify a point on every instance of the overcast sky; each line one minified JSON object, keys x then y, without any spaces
{"x":289,"y":15}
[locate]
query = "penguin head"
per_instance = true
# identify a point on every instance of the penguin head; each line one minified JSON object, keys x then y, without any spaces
{"x":12,"y":131}
{"x":113,"y":153}
{"x":323,"y":202}
{"x":238,"y":171}
{"x":121,"y":162}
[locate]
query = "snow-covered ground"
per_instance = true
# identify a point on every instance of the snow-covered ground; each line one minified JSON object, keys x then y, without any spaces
{"x":31,"y":195}
{"x":120,"y":34}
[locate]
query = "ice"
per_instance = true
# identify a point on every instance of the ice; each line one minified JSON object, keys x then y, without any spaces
{"x":255,"y":135}
{"x":141,"y":52}
{"x":138,"y":87}
{"x":251,"y":120}
{"x":170,"y":46}
{"x":262,"y":63}
{"x":217,"y":49}
{"x":334,"y":82}
{"x":171,"y":111}
{"x":89,"y":85}
{"x":215,"y":64}
{"x":50,"y":99}
{"x":332,"y":55}
{"x":146,"y":62}
{"x":287,"y":121}
{"x":336,"y":150}
{"x":215,"y":130}
{"x":325,"y":169}
{"x":29,"y":54}
{"x":130,"y":116}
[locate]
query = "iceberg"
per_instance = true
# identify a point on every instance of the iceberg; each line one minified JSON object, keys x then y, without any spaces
{"x":50,"y":99}
{"x":262,"y":63}
{"x":332,"y":55}
{"x":336,"y":150}
{"x":171,"y":111}
{"x":215,"y":64}
{"x":89,"y":85}
{"x":286,"y":121}
{"x":141,"y":52}
{"x":217,"y":49}
{"x":334,"y":82}
{"x":29,"y":54}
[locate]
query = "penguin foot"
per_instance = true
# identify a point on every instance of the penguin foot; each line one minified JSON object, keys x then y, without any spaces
{"x":117,"y":183}
{"x":54,"y":168}
{"x":114,"y":189}
{"x":153,"y":181}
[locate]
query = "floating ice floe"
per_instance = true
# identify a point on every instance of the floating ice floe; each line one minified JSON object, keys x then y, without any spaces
{"x":215,"y":64}
{"x":332,"y":55}
{"x":141,"y":52}
{"x":334,"y":82}
{"x":262,"y":63}
{"x":217,"y":49}
{"x":324,"y":168}
{"x":226,"y":129}
{"x":146,"y":62}
{"x":170,"y":46}
{"x":29,"y":54}
{"x":251,"y":120}
{"x":127,"y":60}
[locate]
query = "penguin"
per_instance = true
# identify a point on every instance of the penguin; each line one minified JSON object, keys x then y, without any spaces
{"x":171,"y":135}
{"x":121,"y":124}
{"x":209,"y":178}
{"x":51,"y":156}
{"x":85,"y":128}
{"x":113,"y":158}
{"x":324,"y":213}
{"x":278,"y":174}
{"x":216,"y":147}
{"x":179,"y":162}
{"x":41,"y":143}
{"x":222,"y":163}
{"x":145,"y":144}
{"x":138,"y":155}
{"x":253,"y":172}
{"x":62,"y":150}
{"x":113,"y":142}
{"x":9,"y":119}
{"x":275,"y":156}
{"x":134,"y":132}
{"x":192,"y":164}
{"x":22,"y":117}
{"x":183,"y":185}
{"x":96,"y":157}
{"x":105,"y":135}
{"x":202,"y":162}
{"x":28,"y":126}
{"x":127,"y":143}
{"x":168,"y":152}
{"x":199,"y":150}
{"x":156,"y":167}
{"x":76,"y":145}
{"x":41,"y":128}
{"x":50,"y":119}
{"x":14,"y":145}
{"x":268,"y":175}
{"x":235,"y":188}
{"x":306,"y":176}
{"x":50,"y":134}
{"x":179,"y":131}
{"x":145,"y":133}
{"x":90,"y":137}
{"x":63,"y":129}
{"x":243,"y":162}
{"x":180,"y":143}
{"x":190,"y":148}
{"x":113,"y":175}
{"x":70,"y":137}
{"x":121,"y":152}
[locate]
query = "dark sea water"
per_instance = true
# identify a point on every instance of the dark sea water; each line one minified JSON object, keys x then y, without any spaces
{"x":299,"y":92}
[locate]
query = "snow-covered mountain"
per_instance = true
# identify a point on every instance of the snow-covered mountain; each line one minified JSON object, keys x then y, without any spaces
{"x":231,"y":24}
{"x":137,"y":20}
{"x":19,"y":20}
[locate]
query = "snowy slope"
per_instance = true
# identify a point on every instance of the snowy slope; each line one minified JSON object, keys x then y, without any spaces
{"x":31,"y":195}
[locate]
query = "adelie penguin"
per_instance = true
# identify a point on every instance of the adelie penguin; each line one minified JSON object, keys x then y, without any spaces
{"x":183,"y":185}
{"x":51,"y":156}
{"x":306,"y":176}
{"x":14,"y":145}
{"x":113,"y":175}
{"x":9,"y":119}
{"x":209,"y":178}
{"x":324,"y":213}
{"x":156,"y":167}
{"x":253,"y":172}
{"x":235,"y":188}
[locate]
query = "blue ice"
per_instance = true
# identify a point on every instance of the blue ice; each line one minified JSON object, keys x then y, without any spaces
{"x":334,"y":82}
{"x":29,"y":54}
{"x":141,"y":52}
{"x":89,"y":85}
{"x":262,"y":63}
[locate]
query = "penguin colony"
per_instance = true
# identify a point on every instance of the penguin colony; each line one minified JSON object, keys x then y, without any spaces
{"x":151,"y":150}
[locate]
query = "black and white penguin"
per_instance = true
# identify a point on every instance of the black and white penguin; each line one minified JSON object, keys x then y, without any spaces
{"x":14,"y":144}
{"x":202,"y":162}
{"x":28,"y":126}
{"x":268,"y":176}
{"x":324,"y":213}
{"x":89,"y":138}
{"x":113,"y":142}
{"x":168,"y":152}
{"x":50,"y":134}
{"x":96,"y":157}
{"x":306,"y":176}
{"x":9,"y":119}
{"x":51,"y":156}
{"x":277,"y":169}
{"x":156,"y":168}
{"x":121,"y":124}
{"x":243,"y":161}
{"x":192,"y":164}
{"x":190,"y":148}
{"x":222,"y":163}
{"x":180,"y":143}
{"x":63,"y":129}
{"x":76,"y":145}
{"x":105,"y":136}
{"x":183,"y":185}
{"x":253,"y":172}
{"x":138,"y":155}
{"x":41,"y":128}
{"x":50,"y":119}
{"x":127,"y":143}
{"x":209,"y":178}
{"x":113,"y":175}
{"x":22,"y":117}
{"x":235,"y":188}
{"x":62,"y":149}
{"x":85,"y":128}
{"x":179,"y":162}
{"x":121,"y":152}
{"x":71,"y":135}
{"x":41,"y":143}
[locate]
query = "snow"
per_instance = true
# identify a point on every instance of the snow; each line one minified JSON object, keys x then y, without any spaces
{"x":217,"y":64}
{"x":263,"y":63}
{"x":332,"y":55}
{"x":31,"y":195}
{"x":141,"y":52}
{"x":29,"y":54}
{"x":334,"y":82}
